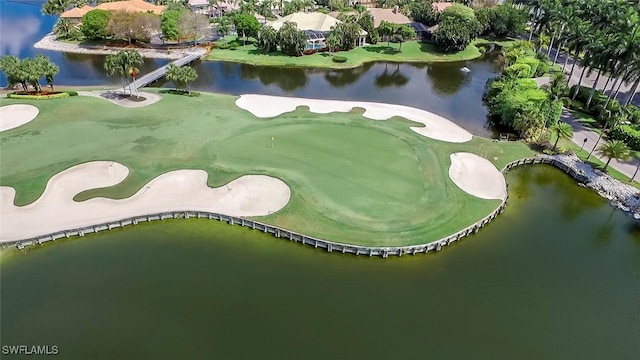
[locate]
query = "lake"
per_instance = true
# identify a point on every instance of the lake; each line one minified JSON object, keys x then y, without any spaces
{"x":556,"y":276}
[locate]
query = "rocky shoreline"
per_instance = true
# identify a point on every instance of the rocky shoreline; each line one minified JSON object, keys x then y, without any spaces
{"x":623,"y":196}
{"x":49,"y":42}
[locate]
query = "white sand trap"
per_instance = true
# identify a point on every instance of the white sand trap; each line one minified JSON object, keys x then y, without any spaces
{"x":477,"y":176}
{"x":180,"y":190}
{"x":435,"y":126}
{"x":12,"y":116}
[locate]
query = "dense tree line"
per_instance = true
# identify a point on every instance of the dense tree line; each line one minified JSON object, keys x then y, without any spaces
{"x":29,"y":71}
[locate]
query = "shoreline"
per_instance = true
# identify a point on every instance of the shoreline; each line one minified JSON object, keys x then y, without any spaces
{"x":569,"y":164}
{"x":49,"y":42}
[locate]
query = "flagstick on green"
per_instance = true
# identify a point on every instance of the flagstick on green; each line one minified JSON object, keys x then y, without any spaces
{"x":272,"y":139}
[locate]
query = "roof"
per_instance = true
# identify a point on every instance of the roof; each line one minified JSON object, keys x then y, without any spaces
{"x":307,"y":21}
{"x":132,"y":6}
{"x":198,"y":3}
{"x":432,"y":29}
{"x":389,"y":15}
{"x":76,"y":12}
{"x":440,"y":6}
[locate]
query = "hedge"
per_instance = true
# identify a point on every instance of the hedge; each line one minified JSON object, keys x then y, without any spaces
{"x":533,"y":64}
{"x":627,"y":134}
{"x":38,"y":97}
{"x":339,"y":59}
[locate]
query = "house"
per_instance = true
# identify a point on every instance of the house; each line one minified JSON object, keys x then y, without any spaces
{"x":393,"y":16}
{"x":75,"y":15}
{"x":220,"y":8}
{"x":317,"y":26}
{"x":132,"y":6}
{"x":428,"y":35}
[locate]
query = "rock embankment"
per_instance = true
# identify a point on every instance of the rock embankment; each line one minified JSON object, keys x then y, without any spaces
{"x":49,"y":42}
{"x":622,"y":196}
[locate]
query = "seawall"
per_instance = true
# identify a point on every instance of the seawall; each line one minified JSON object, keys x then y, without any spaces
{"x":278,"y":232}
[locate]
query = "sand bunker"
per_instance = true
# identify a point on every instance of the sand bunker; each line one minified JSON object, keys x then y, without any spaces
{"x":12,"y":116}
{"x":436,"y":127}
{"x":180,"y":190}
{"x":477,"y":176}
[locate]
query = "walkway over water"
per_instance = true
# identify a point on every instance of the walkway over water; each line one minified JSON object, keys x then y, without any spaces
{"x":160,"y":72}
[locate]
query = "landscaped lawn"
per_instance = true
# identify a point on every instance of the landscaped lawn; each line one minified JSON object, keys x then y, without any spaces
{"x":352,"y":179}
{"x":412,"y":51}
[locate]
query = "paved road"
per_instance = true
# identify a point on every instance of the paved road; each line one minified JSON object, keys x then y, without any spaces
{"x":580,"y":132}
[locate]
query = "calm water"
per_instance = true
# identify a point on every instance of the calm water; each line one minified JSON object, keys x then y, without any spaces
{"x":556,"y":276}
{"x":546,"y":279}
{"x":439,"y":88}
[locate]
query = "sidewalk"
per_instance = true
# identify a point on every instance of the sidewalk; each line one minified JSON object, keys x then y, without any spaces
{"x":581,"y":132}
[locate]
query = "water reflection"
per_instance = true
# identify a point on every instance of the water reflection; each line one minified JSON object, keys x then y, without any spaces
{"x":447,"y":79}
{"x":344,"y":77}
{"x":287,"y":79}
{"x":18,"y":33}
{"x":391,"y":78}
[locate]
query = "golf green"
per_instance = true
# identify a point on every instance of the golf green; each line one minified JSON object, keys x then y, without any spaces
{"x":352,"y":179}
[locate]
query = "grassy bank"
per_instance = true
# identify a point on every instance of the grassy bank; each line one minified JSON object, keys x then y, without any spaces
{"x":352,"y":179}
{"x":412,"y":51}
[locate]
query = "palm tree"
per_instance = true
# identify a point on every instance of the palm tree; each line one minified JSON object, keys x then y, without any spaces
{"x":615,"y":149}
{"x":561,"y":130}
{"x":124,"y":64}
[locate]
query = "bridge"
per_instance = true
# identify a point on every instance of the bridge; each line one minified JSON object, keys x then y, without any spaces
{"x":160,"y":72}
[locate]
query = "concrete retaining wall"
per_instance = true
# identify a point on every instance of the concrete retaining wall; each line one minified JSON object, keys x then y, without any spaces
{"x":329,"y":246}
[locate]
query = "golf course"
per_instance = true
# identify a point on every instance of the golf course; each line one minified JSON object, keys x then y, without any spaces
{"x":351,"y":179}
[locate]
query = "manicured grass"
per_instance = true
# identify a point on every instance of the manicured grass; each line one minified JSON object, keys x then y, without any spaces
{"x":352,"y":179}
{"x":412,"y":51}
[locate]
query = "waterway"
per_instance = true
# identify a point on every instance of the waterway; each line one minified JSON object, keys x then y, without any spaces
{"x":547,"y":279}
{"x":441,"y":88}
{"x":556,"y":276}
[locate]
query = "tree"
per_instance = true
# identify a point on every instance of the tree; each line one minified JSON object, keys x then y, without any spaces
{"x":122,"y":64}
{"x":145,"y":25}
{"x":561,"y":130}
{"x":193,"y":26}
{"x":94,"y":24}
{"x":63,"y":27}
{"x":223,"y":26}
{"x":10,"y":66}
{"x":55,"y":7}
{"x":292,"y":41}
{"x":169,"y":24}
{"x":457,"y":28}
{"x":333,"y":41}
{"x":404,"y":33}
{"x":614,"y":149}
{"x":423,"y":12}
{"x":337,"y":4}
{"x":268,"y":39}
{"x":121,"y":25}
{"x":48,"y":69}
{"x":366,"y":23}
{"x":181,"y":76}
{"x":246,"y":24}
{"x":387,"y":30}
{"x":507,"y":21}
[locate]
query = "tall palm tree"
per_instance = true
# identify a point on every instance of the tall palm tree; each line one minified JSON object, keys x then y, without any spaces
{"x":561,"y":130}
{"x":124,"y":64}
{"x":615,"y":149}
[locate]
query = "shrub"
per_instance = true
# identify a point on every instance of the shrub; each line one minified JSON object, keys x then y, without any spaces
{"x":518,"y":70}
{"x":627,"y":134}
{"x":72,"y":93}
{"x":533,"y":65}
{"x":634,"y":113}
{"x":17,"y":95}
{"x":543,"y":68}
{"x":339,"y":59}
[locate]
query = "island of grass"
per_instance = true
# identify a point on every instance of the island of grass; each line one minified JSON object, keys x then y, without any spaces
{"x":412,"y":51}
{"x":352,"y":179}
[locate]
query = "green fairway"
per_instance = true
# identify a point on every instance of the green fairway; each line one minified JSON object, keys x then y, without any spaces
{"x":352,"y":179}
{"x":412,"y":51}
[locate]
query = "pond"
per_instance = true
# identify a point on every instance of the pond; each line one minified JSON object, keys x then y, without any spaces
{"x":556,"y":276}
